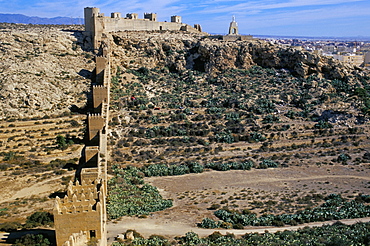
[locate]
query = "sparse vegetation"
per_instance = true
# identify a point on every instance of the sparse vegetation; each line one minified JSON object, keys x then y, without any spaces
{"x":336,"y":234}
{"x":334,"y":208}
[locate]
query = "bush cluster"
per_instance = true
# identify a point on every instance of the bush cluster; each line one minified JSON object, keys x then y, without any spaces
{"x":128,"y":195}
{"x":164,"y":170}
{"x":336,"y":234}
{"x":36,"y":219}
{"x":195,"y":167}
{"x":334,"y":208}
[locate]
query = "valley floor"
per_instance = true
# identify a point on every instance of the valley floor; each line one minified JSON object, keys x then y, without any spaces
{"x":192,"y":194}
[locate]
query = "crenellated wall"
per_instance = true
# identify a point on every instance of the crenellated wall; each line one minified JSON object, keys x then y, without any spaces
{"x":81,"y":214}
{"x":100,"y":95}
{"x":82,"y":209}
{"x":95,"y":123}
{"x":96,"y":24}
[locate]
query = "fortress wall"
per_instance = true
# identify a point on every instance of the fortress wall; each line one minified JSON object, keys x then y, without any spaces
{"x":77,"y":239}
{"x":100,"y":95}
{"x":83,"y":209}
{"x":101,"y":63}
{"x":81,"y":214}
{"x":91,"y":152}
{"x":95,"y":123}
{"x":96,"y":24}
{"x":89,"y":174}
{"x":68,"y":223}
{"x":121,"y":24}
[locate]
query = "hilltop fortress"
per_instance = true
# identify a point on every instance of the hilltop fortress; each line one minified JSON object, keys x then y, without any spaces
{"x":96,"y":24}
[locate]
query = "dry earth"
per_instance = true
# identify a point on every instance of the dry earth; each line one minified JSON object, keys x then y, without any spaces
{"x":44,"y":70}
{"x":24,"y":194}
{"x":193,"y":194}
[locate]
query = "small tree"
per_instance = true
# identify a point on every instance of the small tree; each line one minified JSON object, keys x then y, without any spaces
{"x":61,"y":142}
{"x":343,"y":158}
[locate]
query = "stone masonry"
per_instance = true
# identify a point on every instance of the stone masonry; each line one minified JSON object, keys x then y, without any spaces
{"x":81,"y":214}
{"x":96,"y":24}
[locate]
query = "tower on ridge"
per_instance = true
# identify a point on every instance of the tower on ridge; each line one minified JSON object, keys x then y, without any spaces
{"x":233,"y":29}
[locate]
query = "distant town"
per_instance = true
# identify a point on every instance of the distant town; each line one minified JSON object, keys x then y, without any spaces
{"x":356,"y":53}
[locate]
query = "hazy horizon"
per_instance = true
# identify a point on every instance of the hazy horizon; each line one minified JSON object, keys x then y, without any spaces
{"x":307,"y":18}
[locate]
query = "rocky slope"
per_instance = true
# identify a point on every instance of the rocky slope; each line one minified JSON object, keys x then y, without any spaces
{"x":211,"y":98}
{"x":43,"y":70}
{"x":208,"y":54}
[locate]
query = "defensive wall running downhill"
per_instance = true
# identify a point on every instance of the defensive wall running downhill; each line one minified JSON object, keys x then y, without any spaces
{"x":81,"y":215}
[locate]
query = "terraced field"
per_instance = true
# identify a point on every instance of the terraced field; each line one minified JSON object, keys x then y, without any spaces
{"x":38,"y":137}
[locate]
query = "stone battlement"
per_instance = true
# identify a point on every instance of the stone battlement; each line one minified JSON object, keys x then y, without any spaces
{"x":97,"y":23}
{"x":100,"y":95}
{"x":85,"y":206}
{"x":81,"y":214}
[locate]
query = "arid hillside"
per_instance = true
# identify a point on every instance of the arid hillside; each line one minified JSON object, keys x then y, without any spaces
{"x":182,"y":104}
{"x":44,"y":84}
{"x":179,"y":98}
{"x":44,"y":70}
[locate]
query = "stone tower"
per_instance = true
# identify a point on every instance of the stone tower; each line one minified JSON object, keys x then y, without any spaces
{"x":233,"y":29}
{"x":82,"y":210}
{"x":89,"y":13}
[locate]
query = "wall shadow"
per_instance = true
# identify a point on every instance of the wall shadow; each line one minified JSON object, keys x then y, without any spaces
{"x":83,"y":41}
{"x":14,"y":235}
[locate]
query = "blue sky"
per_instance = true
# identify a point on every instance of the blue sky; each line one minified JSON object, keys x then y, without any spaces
{"x":341,"y":18}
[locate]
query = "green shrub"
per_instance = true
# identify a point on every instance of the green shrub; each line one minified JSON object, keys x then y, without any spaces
{"x":32,"y":240}
{"x":179,"y":169}
{"x":10,"y":226}
{"x":195,"y":167}
{"x":323,"y":125}
{"x":224,"y":137}
{"x":343,"y":158}
{"x":267,"y":163}
{"x":263,"y":106}
{"x":334,"y":208}
{"x":270,"y":119}
{"x":127,"y":195}
{"x":208,"y":223}
{"x":39,"y":219}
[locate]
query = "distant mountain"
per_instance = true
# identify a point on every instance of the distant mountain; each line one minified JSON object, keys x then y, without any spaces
{"x":18,"y":18}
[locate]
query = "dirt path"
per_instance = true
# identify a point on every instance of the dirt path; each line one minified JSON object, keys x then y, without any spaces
{"x":147,"y":227}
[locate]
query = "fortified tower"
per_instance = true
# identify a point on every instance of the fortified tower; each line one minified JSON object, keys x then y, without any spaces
{"x":88,"y":14}
{"x":81,"y":212}
{"x":176,"y":18}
